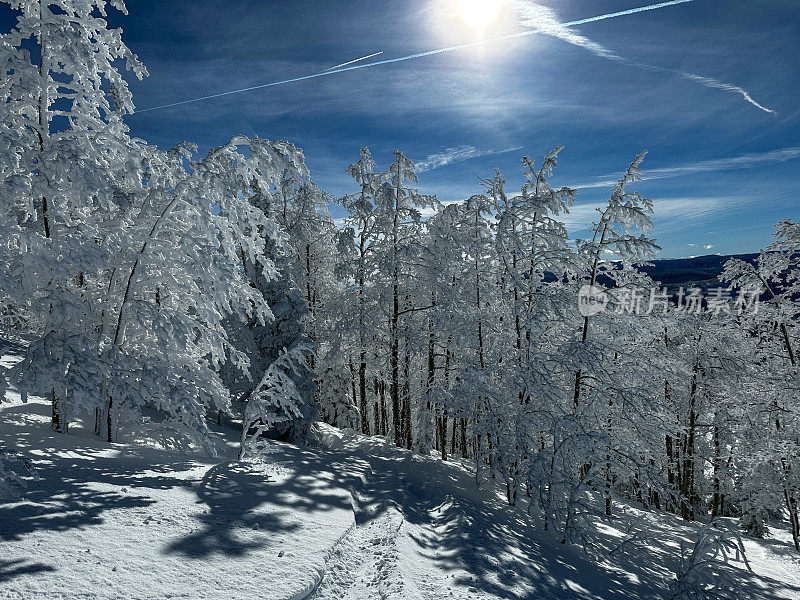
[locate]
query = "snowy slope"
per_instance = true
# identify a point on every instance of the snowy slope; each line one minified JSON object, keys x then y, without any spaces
{"x":115,"y":521}
{"x":359,"y":521}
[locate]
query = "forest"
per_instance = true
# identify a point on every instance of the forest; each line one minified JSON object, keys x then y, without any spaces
{"x":160,"y":295}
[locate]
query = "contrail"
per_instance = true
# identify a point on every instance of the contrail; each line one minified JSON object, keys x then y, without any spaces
{"x":388,"y":61}
{"x":543,"y":19}
{"x":350,"y":62}
{"x":622,"y":13}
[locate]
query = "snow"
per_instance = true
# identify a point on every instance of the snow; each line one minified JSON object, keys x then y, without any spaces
{"x":424,"y":531}
{"x":357,"y":520}
{"x":111,"y":521}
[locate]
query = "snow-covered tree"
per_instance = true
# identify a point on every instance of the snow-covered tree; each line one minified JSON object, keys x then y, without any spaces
{"x":63,"y":100}
{"x":773,"y":461}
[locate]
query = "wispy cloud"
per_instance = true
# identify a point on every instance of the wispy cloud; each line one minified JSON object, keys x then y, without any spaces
{"x":456,"y":154}
{"x":544,"y":20}
{"x":720,"y":85}
{"x":743,"y":161}
{"x":669,"y":214}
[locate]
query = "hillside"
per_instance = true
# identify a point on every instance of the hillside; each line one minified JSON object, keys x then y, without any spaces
{"x":354,"y":519}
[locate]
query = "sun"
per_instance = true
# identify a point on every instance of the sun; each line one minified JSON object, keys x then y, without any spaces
{"x":479,"y":13}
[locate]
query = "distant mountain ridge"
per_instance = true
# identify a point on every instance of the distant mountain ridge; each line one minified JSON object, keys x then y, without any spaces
{"x":700,"y":271}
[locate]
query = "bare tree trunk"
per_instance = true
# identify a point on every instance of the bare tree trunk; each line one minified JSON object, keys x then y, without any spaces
{"x":362,"y":391}
{"x":352,"y":384}
{"x":42,"y":108}
{"x":794,"y":518}
{"x":362,"y":364}
{"x":394,"y":367}
{"x":440,"y":420}
{"x":407,"y":425}
{"x":58,"y":421}
{"x":576,"y":396}
{"x":376,"y":423}
{"x":109,"y":421}
{"x":670,"y":471}
{"x":716,"y":504}
{"x":384,"y":415}
{"x":689,"y":495}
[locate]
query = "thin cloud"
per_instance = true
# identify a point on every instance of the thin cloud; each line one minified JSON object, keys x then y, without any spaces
{"x":456,"y":154}
{"x":669,"y":214}
{"x":350,"y":62}
{"x":544,"y":20}
{"x":720,"y":85}
{"x":743,"y":161}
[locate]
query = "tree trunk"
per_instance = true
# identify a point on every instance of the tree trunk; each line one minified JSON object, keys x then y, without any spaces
{"x":362,"y":364}
{"x":384,"y":415}
{"x":794,"y":517}
{"x":687,"y":511}
{"x":716,"y":503}
{"x":42,"y":108}
{"x":109,"y":421}
{"x":670,"y":472}
{"x":58,"y":420}
{"x":353,"y":392}
{"x":576,"y":395}
{"x":362,"y":391}
{"x":394,"y":367}
{"x":407,"y":425}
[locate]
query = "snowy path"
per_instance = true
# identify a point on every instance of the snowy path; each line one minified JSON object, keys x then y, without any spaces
{"x":367,"y":563}
{"x":413,"y":540}
{"x":364,"y":565}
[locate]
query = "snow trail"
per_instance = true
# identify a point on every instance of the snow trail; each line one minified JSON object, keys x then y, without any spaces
{"x":365,"y":564}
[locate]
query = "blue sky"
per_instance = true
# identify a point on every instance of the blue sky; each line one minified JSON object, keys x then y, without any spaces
{"x":724,"y":171}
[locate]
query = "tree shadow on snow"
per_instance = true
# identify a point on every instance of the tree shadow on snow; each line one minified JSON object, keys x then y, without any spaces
{"x":65,"y":495}
{"x":233,"y":493}
{"x":241,"y":496}
{"x":12,"y":568}
{"x":74,"y":478}
{"x":460,"y":528}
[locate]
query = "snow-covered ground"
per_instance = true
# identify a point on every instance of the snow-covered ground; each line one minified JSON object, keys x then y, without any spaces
{"x":359,"y":520}
{"x":123,"y":522}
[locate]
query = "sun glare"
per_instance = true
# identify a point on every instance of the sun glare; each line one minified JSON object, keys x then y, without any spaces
{"x":479,"y":13}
